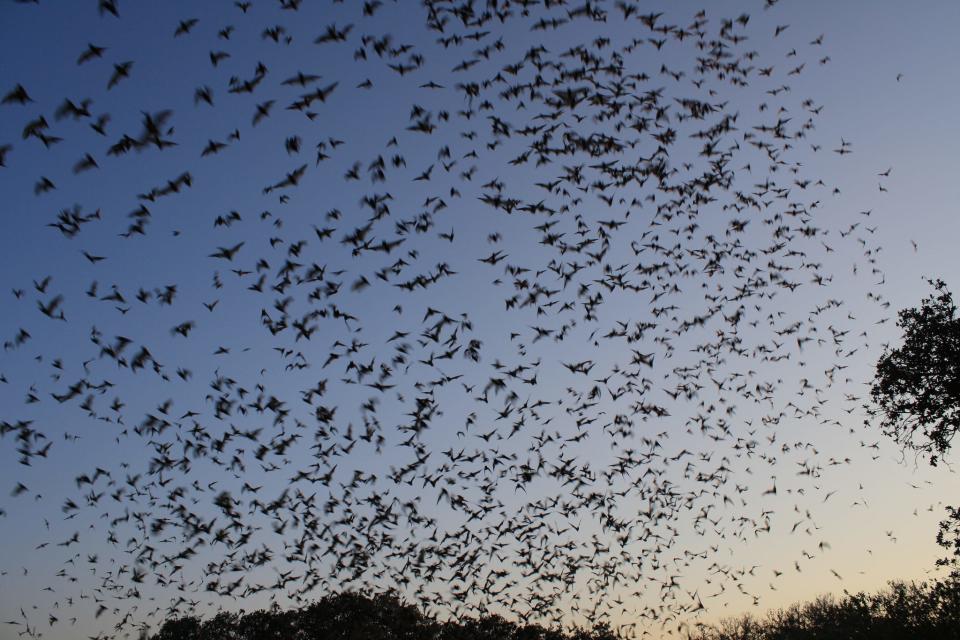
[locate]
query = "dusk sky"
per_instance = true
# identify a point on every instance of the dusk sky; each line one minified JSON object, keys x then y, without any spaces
{"x":444,"y":314}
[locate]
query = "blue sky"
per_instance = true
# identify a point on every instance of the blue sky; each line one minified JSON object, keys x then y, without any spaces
{"x":887,"y":88}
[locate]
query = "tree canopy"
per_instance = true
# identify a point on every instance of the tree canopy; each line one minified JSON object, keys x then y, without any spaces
{"x":358,"y":616}
{"x":916,"y":391}
{"x":902,"y":610}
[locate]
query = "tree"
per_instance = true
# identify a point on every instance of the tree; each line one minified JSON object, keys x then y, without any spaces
{"x":902,"y":610}
{"x":948,"y":537}
{"x":363,"y":616}
{"x":916,"y":391}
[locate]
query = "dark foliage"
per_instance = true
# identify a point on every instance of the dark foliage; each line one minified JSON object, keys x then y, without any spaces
{"x":948,"y":537}
{"x":902,"y":611}
{"x":916,"y":391}
{"x":353,"y":616}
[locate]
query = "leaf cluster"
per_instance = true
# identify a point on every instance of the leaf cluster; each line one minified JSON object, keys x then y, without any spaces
{"x":916,"y":391}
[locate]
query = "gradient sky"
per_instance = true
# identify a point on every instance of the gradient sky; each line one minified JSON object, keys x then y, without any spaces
{"x":889,"y":88}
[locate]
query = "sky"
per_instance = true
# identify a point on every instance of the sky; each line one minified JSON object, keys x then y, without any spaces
{"x":880,"y":83}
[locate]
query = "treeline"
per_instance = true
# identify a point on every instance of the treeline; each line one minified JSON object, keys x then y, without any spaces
{"x":902,"y":611}
{"x":353,"y":616}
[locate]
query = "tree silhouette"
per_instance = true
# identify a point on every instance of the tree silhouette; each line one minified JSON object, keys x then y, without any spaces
{"x":948,"y":537}
{"x":902,"y":610}
{"x":916,"y":392}
{"x":917,"y":386}
{"x":356,"y":616}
